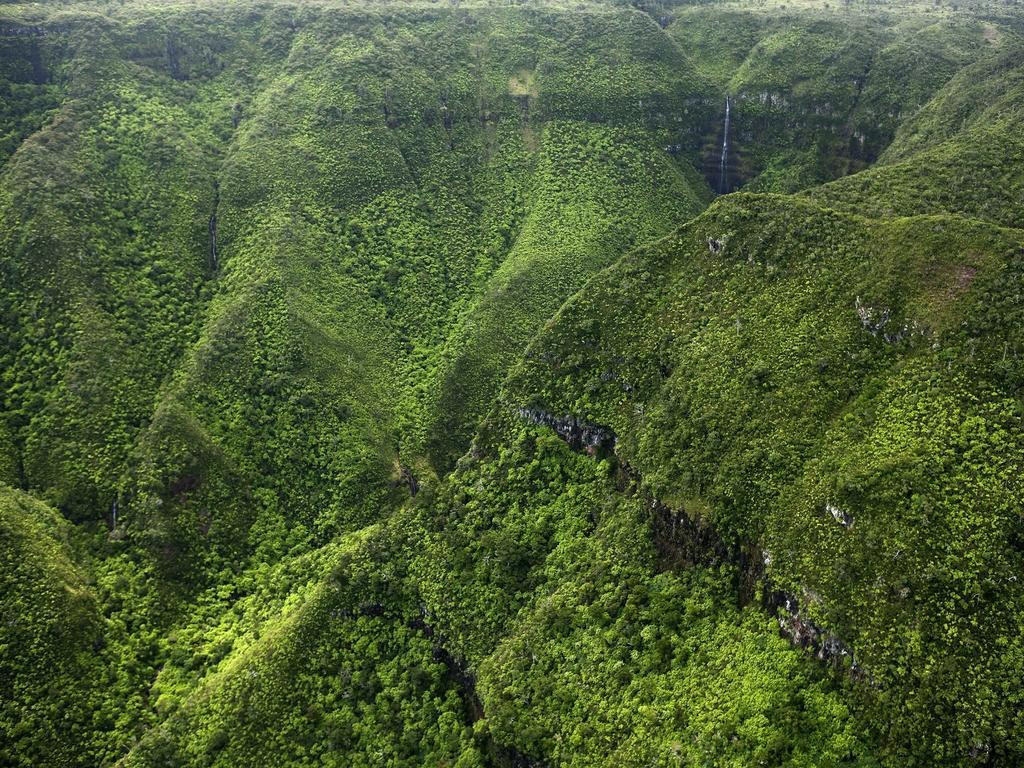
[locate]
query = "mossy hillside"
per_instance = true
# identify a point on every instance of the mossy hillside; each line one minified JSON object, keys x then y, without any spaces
{"x":104,"y":216}
{"x":111,"y":207}
{"x":818,"y":95}
{"x":537,"y":568}
{"x":476,"y":625}
{"x":935,"y":539}
{"x":267,"y":364}
{"x":318,"y":316}
{"x":937,"y":53}
{"x":588,"y":583}
{"x":51,"y":628}
{"x":788,"y":337}
{"x":961,"y":154}
{"x":82,"y":642}
{"x":370,"y":272}
{"x":987,"y":186}
{"x":404,"y":197}
{"x":32,"y":86}
{"x":417,"y":150}
{"x":596,"y":193}
{"x":977,"y":94}
{"x":483,"y":59}
{"x":342,"y":675}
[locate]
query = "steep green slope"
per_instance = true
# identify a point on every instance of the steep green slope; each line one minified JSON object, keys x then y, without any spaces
{"x":377,"y":392}
{"x":961,"y":154}
{"x":340,"y":673}
{"x":29,"y":86}
{"x":51,"y":630}
{"x":316,"y":297}
{"x":786,"y":407}
{"x":817,"y":95}
{"x":597,"y":192}
{"x":588,"y":646}
{"x":103,"y":219}
{"x":835,"y":398}
{"x":228,"y":342}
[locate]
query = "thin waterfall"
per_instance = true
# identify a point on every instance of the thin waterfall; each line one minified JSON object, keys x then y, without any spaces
{"x":723,"y":163}
{"x":214,"y":259}
{"x":214,"y":263}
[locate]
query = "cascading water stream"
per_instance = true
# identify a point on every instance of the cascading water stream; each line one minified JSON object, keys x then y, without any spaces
{"x":723,"y":163}
{"x":214,"y":263}
{"x":213,"y":258}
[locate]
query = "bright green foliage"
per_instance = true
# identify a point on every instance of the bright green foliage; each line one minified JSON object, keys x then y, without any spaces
{"x":80,"y":640}
{"x":379,"y":388}
{"x":584,"y":213}
{"x":793,"y":362}
{"x":103,"y":214}
{"x":49,"y":634}
{"x":340,"y":675}
{"x":540,"y":572}
{"x":336,"y":268}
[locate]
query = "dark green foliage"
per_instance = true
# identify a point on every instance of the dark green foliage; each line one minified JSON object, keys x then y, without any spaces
{"x":103,"y":214}
{"x":541,"y":572}
{"x":49,"y":634}
{"x":30,"y":89}
{"x":961,"y":154}
{"x":794,"y":365}
{"x":342,"y":675}
{"x":379,"y":388}
{"x":816,"y":96}
{"x":584,"y":212}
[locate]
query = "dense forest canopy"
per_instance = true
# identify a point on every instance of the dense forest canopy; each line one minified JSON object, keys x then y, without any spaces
{"x":511,"y":384}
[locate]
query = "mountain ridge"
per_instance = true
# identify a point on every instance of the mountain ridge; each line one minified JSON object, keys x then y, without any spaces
{"x":391,"y":386}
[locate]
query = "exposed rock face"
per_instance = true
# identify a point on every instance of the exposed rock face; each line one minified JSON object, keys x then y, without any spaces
{"x":683,"y":542}
{"x":580,"y":435}
{"x":214,"y":259}
{"x":872,"y":318}
{"x":877,"y":322}
{"x":845,"y":519}
{"x":825,"y":645}
{"x":213,"y":243}
{"x":408,"y":479}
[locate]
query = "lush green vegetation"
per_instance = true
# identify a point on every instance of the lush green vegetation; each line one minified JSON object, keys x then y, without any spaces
{"x":817,"y":391}
{"x":389,"y":385}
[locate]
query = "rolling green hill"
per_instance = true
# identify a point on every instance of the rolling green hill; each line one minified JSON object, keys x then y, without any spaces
{"x":481,"y":384}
